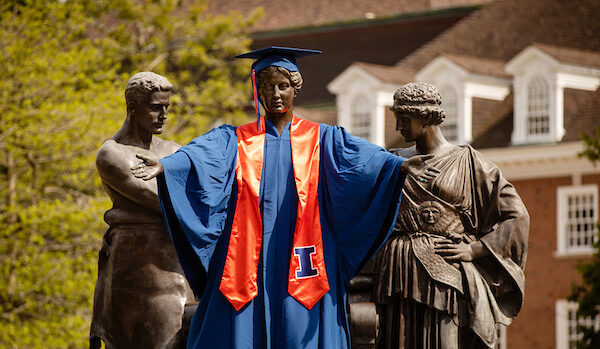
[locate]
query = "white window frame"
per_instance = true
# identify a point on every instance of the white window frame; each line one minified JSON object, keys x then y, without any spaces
{"x":454,"y":107}
{"x":532,"y":62}
{"x":355,"y":81}
{"x":361,"y":106}
{"x":562,"y":195}
{"x":442,"y":71}
{"x":538,"y":81}
{"x":554,"y":97}
{"x":565,"y":326}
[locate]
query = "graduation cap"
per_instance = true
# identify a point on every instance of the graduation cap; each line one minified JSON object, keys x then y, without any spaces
{"x":284,"y":57}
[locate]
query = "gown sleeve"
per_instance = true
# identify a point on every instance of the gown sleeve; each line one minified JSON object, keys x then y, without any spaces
{"x":194,"y":193}
{"x":360,"y":191}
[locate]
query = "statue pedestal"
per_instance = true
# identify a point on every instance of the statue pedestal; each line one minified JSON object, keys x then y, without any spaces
{"x":363,"y":314}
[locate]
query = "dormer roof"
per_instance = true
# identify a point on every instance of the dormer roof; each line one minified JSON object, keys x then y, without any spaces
{"x":478,"y":65}
{"x":370,"y":74}
{"x":565,"y":58}
{"x":388,"y":74}
{"x":573,"y":56}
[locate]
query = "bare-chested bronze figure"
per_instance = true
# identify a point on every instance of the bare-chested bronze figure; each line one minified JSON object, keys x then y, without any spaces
{"x":141,"y":291}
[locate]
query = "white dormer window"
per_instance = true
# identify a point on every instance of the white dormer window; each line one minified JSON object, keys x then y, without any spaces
{"x":361,"y":117}
{"x":450,"y":106}
{"x":361,"y":100}
{"x":458,"y":85}
{"x":538,"y":108}
{"x":540,"y":77}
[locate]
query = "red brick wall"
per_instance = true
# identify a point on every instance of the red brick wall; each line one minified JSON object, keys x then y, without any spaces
{"x":591,"y":179}
{"x":548,"y":278}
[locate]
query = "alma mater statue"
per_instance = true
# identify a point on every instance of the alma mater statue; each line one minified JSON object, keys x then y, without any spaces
{"x":278,"y":214}
{"x":141,"y":290}
{"x":453,"y":267}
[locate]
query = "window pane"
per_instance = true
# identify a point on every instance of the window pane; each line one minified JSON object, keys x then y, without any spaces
{"x":361,"y":117}
{"x":450,"y":105}
{"x":577,"y":227}
{"x":538,"y":117}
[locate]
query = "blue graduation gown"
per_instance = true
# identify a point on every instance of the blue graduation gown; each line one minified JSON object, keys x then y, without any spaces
{"x":359,"y":192}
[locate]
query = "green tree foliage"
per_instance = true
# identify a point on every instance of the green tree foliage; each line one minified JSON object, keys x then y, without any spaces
{"x":194,"y":51}
{"x":65,"y":65}
{"x":587,"y":294}
{"x":592,"y":146}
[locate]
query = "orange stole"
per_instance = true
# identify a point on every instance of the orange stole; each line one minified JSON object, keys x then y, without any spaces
{"x":238,"y":284}
{"x":305,"y":136}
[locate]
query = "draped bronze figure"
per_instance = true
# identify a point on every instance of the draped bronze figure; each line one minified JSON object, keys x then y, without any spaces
{"x":453,"y":267}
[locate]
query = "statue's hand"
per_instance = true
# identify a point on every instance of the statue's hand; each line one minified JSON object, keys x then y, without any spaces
{"x":419,"y":169}
{"x":461,"y":252}
{"x":148,"y":167}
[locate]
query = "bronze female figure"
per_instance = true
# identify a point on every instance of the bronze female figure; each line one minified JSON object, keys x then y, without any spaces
{"x":453,"y":267}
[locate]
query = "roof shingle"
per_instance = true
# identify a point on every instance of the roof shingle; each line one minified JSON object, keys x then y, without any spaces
{"x":571,"y":55}
{"x":393,"y":74}
{"x":477,"y":65}
{"x":289,"y":14}
{"x":503,"y":28}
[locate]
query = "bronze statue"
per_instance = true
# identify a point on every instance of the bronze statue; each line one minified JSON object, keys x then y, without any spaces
{"x":453,"y":267}
{"x":141,"y":290}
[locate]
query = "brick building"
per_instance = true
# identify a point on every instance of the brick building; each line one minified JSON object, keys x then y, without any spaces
{"x":380,"y":32}
{"x":520,"y":82}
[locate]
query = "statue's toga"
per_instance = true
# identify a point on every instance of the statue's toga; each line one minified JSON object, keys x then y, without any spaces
{"x":453,"y":268}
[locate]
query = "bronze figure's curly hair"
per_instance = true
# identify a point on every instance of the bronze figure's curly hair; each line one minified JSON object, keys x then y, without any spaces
{"x":421,"y":100}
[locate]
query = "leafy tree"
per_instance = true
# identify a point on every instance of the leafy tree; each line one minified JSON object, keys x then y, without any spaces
{"x":65,"y":65}
{"x":592,"y":146}
{"x":194,"y":51}
{"x":56,"y":86}
{"x":587,"y":294}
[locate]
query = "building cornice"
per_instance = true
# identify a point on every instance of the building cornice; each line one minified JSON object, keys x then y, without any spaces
{"x":541,"y":161}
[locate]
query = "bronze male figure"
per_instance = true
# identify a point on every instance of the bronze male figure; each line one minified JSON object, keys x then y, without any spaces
{"x":141,"y":291}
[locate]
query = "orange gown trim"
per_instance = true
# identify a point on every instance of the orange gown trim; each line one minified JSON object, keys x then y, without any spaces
{"x":307,"y":276}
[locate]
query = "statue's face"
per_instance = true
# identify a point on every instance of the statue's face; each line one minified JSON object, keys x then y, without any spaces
{"x":276,"y":92}
{"x":430,"y":215}
{"x":150,"y":112}
{"x":409,"y":126}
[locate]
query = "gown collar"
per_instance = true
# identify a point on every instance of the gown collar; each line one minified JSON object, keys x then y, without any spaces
{"x":272,"y":130}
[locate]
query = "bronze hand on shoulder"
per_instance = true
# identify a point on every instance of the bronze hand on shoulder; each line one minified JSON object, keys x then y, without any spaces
{"x":148,"y":168}
{"x":417,"y":167}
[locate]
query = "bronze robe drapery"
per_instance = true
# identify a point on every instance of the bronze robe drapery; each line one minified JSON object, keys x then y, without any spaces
{"x":425,"y":302}
{"x":141,"y":291}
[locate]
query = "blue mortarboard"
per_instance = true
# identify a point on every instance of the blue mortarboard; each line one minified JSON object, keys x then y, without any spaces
{"x":284,"y":57}
{"x":278,"y":56}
